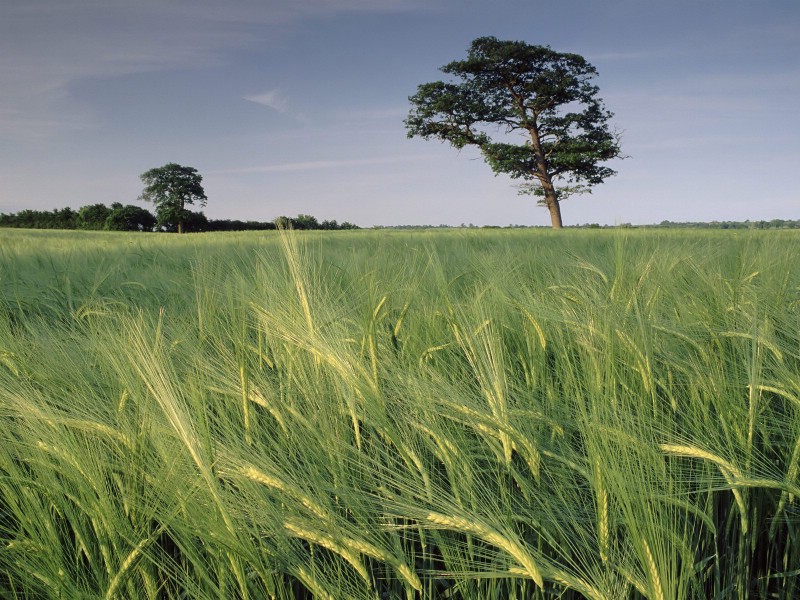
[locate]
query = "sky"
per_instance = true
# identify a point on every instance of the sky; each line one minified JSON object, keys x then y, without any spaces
{"x":290,"y":107}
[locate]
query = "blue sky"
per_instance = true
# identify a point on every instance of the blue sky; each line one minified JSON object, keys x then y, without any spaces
{"x":297,"y":106}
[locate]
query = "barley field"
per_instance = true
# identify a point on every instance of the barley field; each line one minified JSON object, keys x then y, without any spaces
{"x":503,"y":414}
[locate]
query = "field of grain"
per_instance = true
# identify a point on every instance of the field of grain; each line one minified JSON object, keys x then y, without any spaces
{"x":390,"y":415}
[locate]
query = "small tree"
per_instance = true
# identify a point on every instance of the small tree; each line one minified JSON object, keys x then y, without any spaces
{"x":517,"y":88}
{"x":93,"y":216}
{"x":129,"y":218}
{"x":305,"y":222}
{"x":283,"y":222}
{"x":171,"y":188}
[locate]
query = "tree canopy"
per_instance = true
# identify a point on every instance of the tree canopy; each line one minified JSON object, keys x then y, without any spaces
{"x":135,"y":218}
{"x":129,"y":218}
{"x":512,"y":87}
{"x":171,"y":188}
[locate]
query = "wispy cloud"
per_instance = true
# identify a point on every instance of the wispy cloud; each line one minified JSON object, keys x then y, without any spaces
{"x":272,"y":98}
{"x":329,"y":6}
{"x":47,"y":46}
{"x":691,"y":143}
{"x":359,"y":115}
{"x":316,"y":165}
{"x":618,"y":56}
{"x":699,"y":102}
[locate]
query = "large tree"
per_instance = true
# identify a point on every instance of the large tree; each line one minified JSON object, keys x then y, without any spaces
{"x":506,"y":88}
{"x":171,"y":188}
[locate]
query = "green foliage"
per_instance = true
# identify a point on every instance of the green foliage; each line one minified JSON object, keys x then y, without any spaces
{"x":761,"y":224}
{"x":302,"y":222}
{"x":129,"y":218}
{"x":305,"y":222}
{"x":238,"y":225}
{"x":60,"y":218}
{"x":171,"y":188}
{"x":192,"y":222}
{"x":134,"y":218}
{"x":93,"y":216}
{"x":463,"y":414}
{"x":546,"y":97}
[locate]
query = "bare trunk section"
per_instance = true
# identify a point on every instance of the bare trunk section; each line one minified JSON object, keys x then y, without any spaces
{"x":180,"y":218}
{"x":542,"y":174}
{"x":551,"y":201}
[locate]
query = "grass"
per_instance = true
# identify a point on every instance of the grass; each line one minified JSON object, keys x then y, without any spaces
{"x":463,"y":414}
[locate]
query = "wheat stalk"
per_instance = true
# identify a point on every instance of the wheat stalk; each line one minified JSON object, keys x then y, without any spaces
{"x":326,"y":541}
{"x":126,"y":565}
{"x":512,"y":547}
{"x":254,"y":474}
{"x":729,"y":472}
{"x":653,"y":571}
{"x":602,"y":511}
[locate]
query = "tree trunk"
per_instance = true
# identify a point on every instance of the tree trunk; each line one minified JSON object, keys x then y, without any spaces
{"x":542,"y":174}
{"x":180,"y":225}
{"x":551,"y":200}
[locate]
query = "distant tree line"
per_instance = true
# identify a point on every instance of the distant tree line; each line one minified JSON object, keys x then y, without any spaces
{"x":772,"y":224}
{"x":119,"y":217}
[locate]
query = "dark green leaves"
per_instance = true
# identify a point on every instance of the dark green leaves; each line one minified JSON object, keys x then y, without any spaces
{"x":511,"y":72}
{"x":171,"y":188}
{"x":546,"y":98}
{"x":173,"y":183}
{"x":449,"y":113}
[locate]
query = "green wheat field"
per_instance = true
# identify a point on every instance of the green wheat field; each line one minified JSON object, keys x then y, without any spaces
{"x":496,"y":414}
